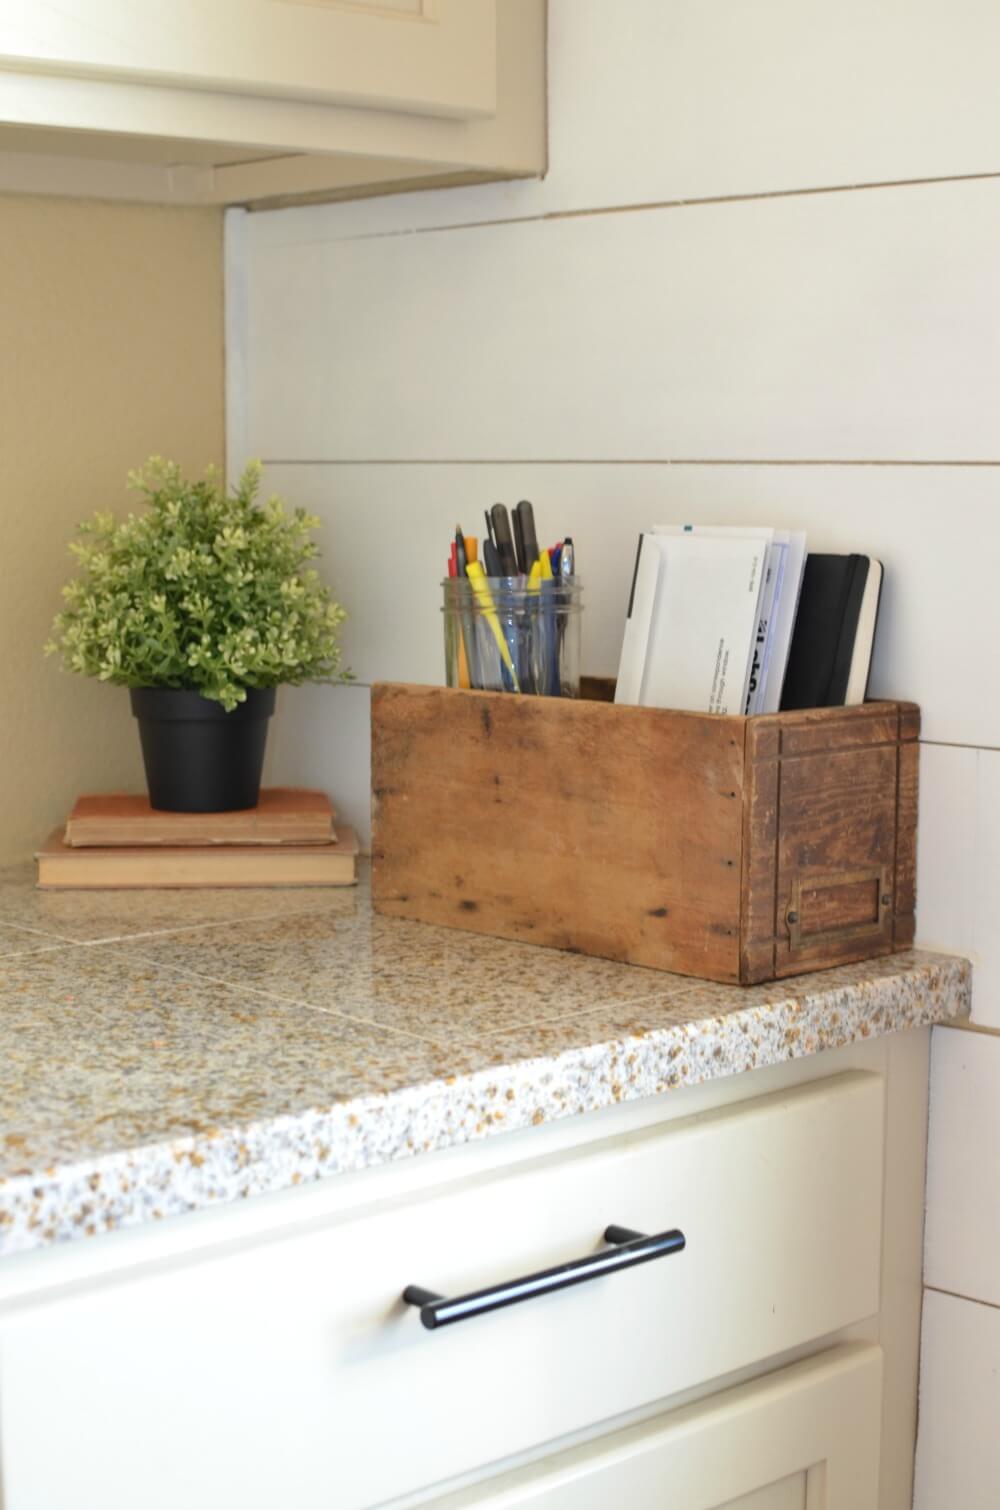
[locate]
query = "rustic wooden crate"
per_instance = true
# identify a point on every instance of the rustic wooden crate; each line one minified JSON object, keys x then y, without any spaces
{"x":734,"y":849}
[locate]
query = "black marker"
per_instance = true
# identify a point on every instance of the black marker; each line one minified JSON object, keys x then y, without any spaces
{"x":524,"y":523}
{"x":504,"y":540}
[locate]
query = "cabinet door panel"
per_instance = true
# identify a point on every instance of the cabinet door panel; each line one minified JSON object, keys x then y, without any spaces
{"x":790,"y":1494}
{"x":803,"y":1438}
{"x":434,"y":57}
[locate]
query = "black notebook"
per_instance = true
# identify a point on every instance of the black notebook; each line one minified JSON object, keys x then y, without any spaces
{"x":831,"y":652}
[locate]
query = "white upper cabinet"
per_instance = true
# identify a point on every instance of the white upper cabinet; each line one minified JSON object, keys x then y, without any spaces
{"x":431,"y":57}
{"x":268,"y":101}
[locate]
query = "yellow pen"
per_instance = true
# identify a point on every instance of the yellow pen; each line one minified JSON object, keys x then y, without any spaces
{"x":545,"y":566}
{"x":534,"y":576}
{"x":480,"y":587}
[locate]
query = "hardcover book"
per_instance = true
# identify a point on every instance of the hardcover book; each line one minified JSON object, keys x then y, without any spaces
{"x":831,"y":651}
{"x":62,"y":865}
{"x":284,"y":815}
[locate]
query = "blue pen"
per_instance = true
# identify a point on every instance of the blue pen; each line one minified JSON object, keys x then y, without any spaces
{"x":550,"y":598}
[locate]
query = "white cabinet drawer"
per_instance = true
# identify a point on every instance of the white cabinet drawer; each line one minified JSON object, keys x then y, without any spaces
{"x":292,"y":1374}
{"x":803,"y":1438}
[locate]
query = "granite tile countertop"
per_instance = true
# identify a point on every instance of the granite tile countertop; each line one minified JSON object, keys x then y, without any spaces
{"x":164,"y":1051}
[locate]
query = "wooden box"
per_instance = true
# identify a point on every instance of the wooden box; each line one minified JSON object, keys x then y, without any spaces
{"x":734,"y":849}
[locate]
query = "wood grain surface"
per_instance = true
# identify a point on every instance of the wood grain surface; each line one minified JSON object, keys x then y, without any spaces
{"x":760,"y":833}
{"x":613,"y":831}
{"x":836,"y":849}
{"x":907,"y":792}
{"x":731,"y":849}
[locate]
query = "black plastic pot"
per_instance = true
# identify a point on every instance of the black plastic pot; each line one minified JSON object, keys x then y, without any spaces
{"x":198,"y":757}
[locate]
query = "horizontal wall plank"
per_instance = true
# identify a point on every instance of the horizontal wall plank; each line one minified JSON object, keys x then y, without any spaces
{"x":958,"y":879}
{"x":958,"y":1447}
{"x":986,"y":893}
{"x":962,"y":1234}
{"x":321,"y":737}
{"x":937,"y":531}
{"x":702,"y":97}
{"x":846,"y":326}
{"x":946,"y":851}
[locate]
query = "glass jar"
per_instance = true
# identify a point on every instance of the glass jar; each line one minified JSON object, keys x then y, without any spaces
{"x":504,"y":636}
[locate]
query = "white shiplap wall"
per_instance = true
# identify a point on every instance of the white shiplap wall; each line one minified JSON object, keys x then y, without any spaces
{"x":758,"y":283}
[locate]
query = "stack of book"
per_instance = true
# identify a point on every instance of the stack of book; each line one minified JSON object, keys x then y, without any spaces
{"x":120,"y":841}
{"x":741,"y":620}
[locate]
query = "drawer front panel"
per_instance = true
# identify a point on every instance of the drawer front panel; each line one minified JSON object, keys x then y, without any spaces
{"x":294,"y":1374}
{"x":803,"y":1438}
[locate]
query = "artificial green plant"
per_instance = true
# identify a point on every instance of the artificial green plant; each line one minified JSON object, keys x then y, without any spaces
{"x":203,"y":590}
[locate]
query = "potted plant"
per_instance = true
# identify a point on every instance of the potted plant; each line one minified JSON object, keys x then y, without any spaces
{"x":202,"y":604}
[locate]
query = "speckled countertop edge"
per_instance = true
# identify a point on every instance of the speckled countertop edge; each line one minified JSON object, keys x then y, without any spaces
{"x":678,"y":1032}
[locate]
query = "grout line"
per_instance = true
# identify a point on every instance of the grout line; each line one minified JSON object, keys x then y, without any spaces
{"x":54,"y":939}
{"x":40,"y":945}
{"x":653,"y":995}
{"x":972,"y":1300}
{"x":966,"y":1025}
{"x":644,"y":206}
{"x":750,"y":196}
{"x":60,"y":940}
{"x":620,"y":461}
{"x":40,"y":933}
{"x":155,"y":933}
{"x":279,"y":1001}
{"x":958,"y":744}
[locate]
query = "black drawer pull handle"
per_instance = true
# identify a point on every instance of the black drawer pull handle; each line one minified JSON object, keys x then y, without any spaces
{"x":628,"y":1249}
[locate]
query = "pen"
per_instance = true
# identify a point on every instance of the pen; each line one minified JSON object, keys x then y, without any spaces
{"x":507,"y":555}
{"x":480,"y":587}
{"x":504,"y":540}
{"x":549,"y":659}
{"x":465,"y":618}
{"x":524,"y":526}
{"x":567,"y":561}
{"x":464,"y":680}
{"x":523,"y":565}
{"x":535,"y":634}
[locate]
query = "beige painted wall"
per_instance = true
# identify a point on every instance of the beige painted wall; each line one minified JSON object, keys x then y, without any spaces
{"x":111,"y":349}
